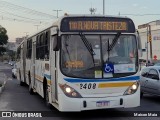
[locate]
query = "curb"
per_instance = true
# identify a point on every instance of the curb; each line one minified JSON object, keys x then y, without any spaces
{"x":3,"y":84}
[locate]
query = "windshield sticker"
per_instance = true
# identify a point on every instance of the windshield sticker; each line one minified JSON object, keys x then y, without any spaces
{"x":107,"y":75}
{"x":109,"y":68}
{"x":74,"y":64}
{"x":124,"y":68}
{"x":98,"y":74}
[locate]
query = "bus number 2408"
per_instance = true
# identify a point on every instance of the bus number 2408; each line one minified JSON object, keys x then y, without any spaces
{"x":88,"y":86}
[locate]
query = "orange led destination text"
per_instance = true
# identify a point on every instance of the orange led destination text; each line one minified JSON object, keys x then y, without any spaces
{"x":74,"y":64}
{"x":97,"y":25}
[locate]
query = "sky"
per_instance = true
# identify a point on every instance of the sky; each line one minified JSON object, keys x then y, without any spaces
{"x":20,"y":22}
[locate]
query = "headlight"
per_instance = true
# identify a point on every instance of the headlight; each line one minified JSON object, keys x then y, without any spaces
{"x":69,"y":91}
{"x":132,"y":89}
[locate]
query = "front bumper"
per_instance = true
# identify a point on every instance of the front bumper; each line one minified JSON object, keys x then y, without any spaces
{"x":80,"y":104}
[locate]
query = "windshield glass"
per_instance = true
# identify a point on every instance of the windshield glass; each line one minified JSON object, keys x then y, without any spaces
{"x":78,"y":61}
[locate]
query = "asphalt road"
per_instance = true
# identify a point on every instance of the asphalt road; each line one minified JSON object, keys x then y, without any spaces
{"x":17,"y":98}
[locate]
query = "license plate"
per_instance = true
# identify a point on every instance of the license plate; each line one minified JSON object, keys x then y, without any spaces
{"x":102,"y":103}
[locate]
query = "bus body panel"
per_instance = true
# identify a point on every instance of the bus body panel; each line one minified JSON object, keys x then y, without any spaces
{"x":21,"y":63}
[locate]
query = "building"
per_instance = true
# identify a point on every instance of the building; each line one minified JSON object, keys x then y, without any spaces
{"x":19,"y":40}
{"x":13,"y":45}
{"x":154,"y":45}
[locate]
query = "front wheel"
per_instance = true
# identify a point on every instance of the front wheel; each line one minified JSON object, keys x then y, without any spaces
{"x":46,"y":97}
{"x":141,"y":94}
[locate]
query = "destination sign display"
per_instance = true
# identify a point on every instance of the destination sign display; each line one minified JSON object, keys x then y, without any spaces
{"x":97,"y":25}
{"x":94,"y":24}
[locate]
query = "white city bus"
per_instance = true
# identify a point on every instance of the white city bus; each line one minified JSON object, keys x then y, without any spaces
{"x":83,"y":63}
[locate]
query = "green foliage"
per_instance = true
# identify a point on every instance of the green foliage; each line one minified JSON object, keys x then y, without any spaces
{"x":2,"y":50}
{"x":3,"y":39}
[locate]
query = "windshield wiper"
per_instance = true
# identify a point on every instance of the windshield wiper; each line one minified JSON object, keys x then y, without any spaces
{"x":114,"y":41}
{"x":66,"y":46}
{"x":88,"y":45}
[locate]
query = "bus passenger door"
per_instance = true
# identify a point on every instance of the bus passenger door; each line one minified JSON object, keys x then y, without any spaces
{"x":53,"y":61}
{"x":33,"y":65}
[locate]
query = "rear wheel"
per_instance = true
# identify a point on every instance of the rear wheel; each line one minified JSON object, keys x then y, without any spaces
{"x":13,"y":76}
{"x":30,"y":86}
{"x":21,"y":83}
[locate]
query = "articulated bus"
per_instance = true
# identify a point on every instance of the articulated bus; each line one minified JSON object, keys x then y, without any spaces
{"x":83,"y":62}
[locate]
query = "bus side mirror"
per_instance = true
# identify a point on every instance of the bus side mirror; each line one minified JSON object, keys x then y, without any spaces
{"x":139,"y":45}
{"x":56,"y":43}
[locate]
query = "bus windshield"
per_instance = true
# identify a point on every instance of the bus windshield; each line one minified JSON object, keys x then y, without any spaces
{"x":77,"y":60}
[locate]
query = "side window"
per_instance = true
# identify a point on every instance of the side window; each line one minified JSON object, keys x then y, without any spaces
{"x":29,"y":49}
{"x":37,"y":47}
{"x":144,"y":72}
{"x":43,"y":45}
{"x":47,"y":44}
{"x":153,"y":74}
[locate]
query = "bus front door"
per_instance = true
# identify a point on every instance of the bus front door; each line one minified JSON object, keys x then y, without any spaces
{"x":53,"y":64}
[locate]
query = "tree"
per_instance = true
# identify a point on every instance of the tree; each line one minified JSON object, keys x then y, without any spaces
{"x":3,"y":39}
{"x":2,"y":50}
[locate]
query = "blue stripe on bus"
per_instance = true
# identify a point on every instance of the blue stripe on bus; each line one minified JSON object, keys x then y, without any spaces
{"x":47,"y":76}
{"x":132,"y":78}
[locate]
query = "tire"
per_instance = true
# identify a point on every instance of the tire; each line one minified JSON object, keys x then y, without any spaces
{"x":46,"y":97}
{"x":21,"y":83}
{"x":141,"y":95}
{"x":30,"y":86}
{"x":13,"y":76}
